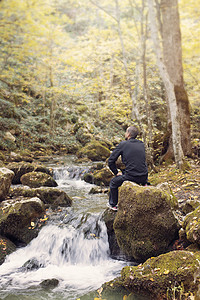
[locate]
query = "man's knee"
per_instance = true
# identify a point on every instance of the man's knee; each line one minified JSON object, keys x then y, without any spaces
{"x":116,"y":181}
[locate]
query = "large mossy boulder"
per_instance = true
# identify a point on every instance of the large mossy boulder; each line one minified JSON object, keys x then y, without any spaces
{"x":51,"y":196}
{"x":144,"y":225}
{"x":191,"y":225}
{"x":103,"y":176}
{"x":18,"y":218}
{"x":174,"y":275}
{"x":6,"y":177}
{"x":6,"y":248}
{"x":95,"y":151}
{"x":21,"y":168}
{"x":38,"y":179}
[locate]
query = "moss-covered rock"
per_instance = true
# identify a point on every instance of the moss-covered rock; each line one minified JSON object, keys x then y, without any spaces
{"x":191,"y":225}
{"x":103,"y":176}
{"x":49,"y":195}
{"x":173,"y":201}
{"x":2,"y":156}
{"x":88,"y":177}
{"x":18,"y":218}
{"x":6,"y":247}
{"x":37,"y":179}
{"x":94,"y":151}
{"x":163,"y":277}
{"x":21,"y":168}
{"x":17,"y":157}
{"x":6,"y":177}
{"x":144,"y":224}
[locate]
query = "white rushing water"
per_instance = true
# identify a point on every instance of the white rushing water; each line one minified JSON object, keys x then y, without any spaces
{"x":72,"y":248}
{"x":78,"y":260}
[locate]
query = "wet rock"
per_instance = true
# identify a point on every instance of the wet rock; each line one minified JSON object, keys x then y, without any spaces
{"x":94,"y":151}
{"x":163,"y":277}
{"x":103,"y":176}
{"x":49,"y":195}
{"x":144,"y":224}
{"x":6,"y":248}
{"x":32,"y":264}
{"x":38,"y":179}
{"x":98,"y":190}
{"x":21,"y":168}
{"x":191,"y":225}
{"x":6,"y":177}
{"x":18,"y":219}
{"x":88,"y":177}
{"x":109,"y":217}
{"x":49,"y":283}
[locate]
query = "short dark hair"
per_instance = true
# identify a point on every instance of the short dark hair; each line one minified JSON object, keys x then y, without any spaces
{"x":133,"y":131}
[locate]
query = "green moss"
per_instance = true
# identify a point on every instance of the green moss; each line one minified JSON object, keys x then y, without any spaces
{"x":161,"y":274}
{"x":94,"y":151}
{"x":37,"y":179}
{"x":144,"y":225}
{"x":2,"y":156}
{"x":191,"y":225}
{"x":103,"y":177}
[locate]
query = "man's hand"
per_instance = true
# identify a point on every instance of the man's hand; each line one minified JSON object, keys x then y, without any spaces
{"x":119,"y":173}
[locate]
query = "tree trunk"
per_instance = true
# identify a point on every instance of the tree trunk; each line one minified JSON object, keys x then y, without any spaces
{"x":172,"y":54}
{"x":169,"y":86}
{"x":53,"y":104}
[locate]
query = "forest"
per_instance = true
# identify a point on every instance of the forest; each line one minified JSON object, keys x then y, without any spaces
{"x":76,"y":70}
{"x":75,"y":74}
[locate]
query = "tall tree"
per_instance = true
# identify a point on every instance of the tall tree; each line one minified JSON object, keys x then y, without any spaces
{"x":169,"y":86}
{"x":172,"y":54}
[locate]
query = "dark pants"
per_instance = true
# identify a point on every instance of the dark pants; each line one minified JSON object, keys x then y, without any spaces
{"x":117,"y":182}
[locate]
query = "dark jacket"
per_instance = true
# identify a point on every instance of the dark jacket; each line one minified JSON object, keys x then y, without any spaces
{"x":133,"y":156}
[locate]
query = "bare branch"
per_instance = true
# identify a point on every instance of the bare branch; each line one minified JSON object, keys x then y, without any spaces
{"x":102,"y":8}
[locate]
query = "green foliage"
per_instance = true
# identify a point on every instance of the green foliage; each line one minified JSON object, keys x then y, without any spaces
{"x":8,"y":110}
{"x":62,"y":63}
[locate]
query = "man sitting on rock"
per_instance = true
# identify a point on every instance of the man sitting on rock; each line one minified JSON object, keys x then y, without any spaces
{"x":133,"y":156}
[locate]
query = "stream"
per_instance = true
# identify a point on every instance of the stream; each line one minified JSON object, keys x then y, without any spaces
{"x":72,"y":247}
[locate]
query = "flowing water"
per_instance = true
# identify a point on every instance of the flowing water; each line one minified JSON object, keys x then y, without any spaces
{"x":72,"y":248}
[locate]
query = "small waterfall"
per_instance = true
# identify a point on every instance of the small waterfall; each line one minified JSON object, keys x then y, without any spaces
{"x":72,"y":248}
{"x":76,"y":253}
{"x":71,"y":172}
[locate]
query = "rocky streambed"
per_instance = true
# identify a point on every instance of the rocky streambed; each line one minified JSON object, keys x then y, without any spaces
{"x":64,"y":241}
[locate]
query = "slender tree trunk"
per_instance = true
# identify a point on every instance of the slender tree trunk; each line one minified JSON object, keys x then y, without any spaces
{"x":172,"y":54}
{"x":53,"y":104}
{"x":149,"y":116}
{"x":169,"y":86}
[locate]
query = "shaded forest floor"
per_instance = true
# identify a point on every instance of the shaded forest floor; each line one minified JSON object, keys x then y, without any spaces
{"x":185,"y":185}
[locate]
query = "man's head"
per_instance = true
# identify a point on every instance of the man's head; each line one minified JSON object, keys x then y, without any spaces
{"x":131,"y":132}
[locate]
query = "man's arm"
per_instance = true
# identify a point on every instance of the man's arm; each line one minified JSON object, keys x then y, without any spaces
{"x":113,"y":158}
